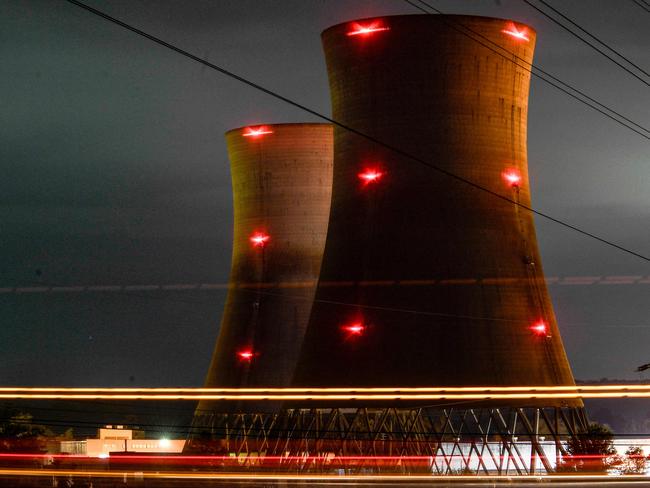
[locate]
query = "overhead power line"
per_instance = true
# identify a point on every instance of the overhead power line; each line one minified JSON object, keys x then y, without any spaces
{"x":536,"y":71}
{"x":370,"y":138}
{"x":590,"y":44}
{"x":643,"y":4}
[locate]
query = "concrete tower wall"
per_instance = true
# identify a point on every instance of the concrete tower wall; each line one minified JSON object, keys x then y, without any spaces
{"x":444,"y":280}
{"x":281,"y":178}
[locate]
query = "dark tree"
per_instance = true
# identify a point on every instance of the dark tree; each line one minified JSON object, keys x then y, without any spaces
{"x":635,"y":461}
{"x":19,"y":434}
{"x":591,"y":451}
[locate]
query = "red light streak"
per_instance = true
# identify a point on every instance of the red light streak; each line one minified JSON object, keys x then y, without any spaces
{"x":370,"y":175}
{"x":539,"y":328}
{"x":365,"y":30}
{"x":516,"y":33}
{"x":310,"y":478}
{"x":512,"y":177}
{"x":260,"y":239}
{"x":355,"y":329}
{"x":257,"y":132}
{"x":245,"y":355}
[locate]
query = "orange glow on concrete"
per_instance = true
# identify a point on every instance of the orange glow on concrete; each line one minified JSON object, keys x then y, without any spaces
{"x":396,"y":389}
{"x":366,"y":394}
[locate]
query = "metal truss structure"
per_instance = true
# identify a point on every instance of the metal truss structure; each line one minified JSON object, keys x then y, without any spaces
{"x":504,"y":441}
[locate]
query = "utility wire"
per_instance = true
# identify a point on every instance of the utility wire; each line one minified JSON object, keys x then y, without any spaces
{"x":252,"y":431}
{"x":286,"y":296}
{"x":352,"y":130}
{"x":590,"y":34}
{"x":535,"y":70}
{"x":593,"y":46}
{"x":642,"y":4}
{"x":377,"y":307}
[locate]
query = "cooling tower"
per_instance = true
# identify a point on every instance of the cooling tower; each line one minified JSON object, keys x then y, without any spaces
{"x":427,"y":280}
{"x":281,"y":179}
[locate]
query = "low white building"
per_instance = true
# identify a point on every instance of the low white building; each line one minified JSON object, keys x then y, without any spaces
{"x":118,"y":439}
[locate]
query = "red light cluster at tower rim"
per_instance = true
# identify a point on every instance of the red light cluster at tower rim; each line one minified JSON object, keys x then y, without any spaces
{"x":512,"y":31}
{"x":256,"y":132}
{"x":365,"y":30}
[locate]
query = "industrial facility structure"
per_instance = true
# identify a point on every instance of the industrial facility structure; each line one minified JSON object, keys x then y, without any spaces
{"x":431,"y":273}
{"x":282,"y":180}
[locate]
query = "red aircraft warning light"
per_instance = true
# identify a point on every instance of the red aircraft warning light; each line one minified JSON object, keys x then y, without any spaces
{"x":370,"y":175}
{"x":355,"y":329}
{"x":259,"y":239}
{"x":512,"y":177}
{"x":256,"y":132}
{"x":245,"y":355}
{"x":366,"y":30}
{"x":540,"y":328}
{"x":512,"y":31}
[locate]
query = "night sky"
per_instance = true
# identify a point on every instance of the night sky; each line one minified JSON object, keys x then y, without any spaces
{"x":115,"y":172}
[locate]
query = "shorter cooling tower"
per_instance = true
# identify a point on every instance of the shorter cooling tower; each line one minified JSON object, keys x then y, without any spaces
{"x":281,"y":179}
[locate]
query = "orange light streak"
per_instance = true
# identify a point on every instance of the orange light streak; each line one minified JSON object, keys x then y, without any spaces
{"x":331,"y":394}
{"x":524,"y":388}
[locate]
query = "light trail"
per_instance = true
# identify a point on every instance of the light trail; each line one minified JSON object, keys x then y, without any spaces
{"x":183,"y":475}
{"x":339,"y":389}
{"x":155,"y":457}
{"x":353,"y":398}
{"x":331,"y":394}
{"x":301,"y":390}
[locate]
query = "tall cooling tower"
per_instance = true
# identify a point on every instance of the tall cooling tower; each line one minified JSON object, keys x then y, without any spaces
{"x":281,"y":178}
{"x":427,"y":280}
